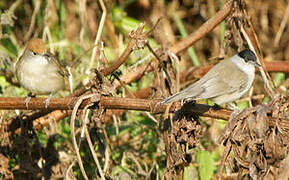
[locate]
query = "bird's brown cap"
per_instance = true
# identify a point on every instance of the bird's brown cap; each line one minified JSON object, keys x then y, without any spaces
{"x":36,"y":45}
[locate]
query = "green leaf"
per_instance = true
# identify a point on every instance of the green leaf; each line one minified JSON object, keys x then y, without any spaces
{"x":3,"y":83}
{"x":279,"y":78}
{"x":206,"y":163}
{"x":243,"y":105}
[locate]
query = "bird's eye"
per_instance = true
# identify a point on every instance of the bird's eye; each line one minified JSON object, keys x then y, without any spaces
{"x":34,"y":53}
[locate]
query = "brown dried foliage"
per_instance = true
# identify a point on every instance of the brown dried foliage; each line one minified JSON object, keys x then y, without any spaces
{"x":258,"y":146}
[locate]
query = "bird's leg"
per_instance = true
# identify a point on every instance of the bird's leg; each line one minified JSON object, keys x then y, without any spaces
{"x":48,"y":99}
{"x":29,"y":96}
{"x":26,"y":101}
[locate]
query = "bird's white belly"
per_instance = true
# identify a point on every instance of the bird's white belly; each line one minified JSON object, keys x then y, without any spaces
{"x":40,"y":77}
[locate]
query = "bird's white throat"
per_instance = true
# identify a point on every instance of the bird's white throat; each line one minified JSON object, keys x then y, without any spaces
{"x":247,"y":68}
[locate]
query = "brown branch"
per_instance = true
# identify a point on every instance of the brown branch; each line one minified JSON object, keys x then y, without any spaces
{"x":55,"y":115}
{"x":41,"y":121}
{"x":277,"y":66}
{"x":136,"y":73}
{"x":37,"y":103}
{"x":115,"y":103}
{"x":128,"y":104}
{"x":120,"y":61}
{"x":112,"y":103}
{"x":137,"y":37}
{"x":185,"y":43}
{"x":204,"y":29}
{"x":108,"y":103}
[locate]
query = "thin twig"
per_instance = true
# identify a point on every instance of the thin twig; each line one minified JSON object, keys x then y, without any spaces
{"x":46,"y":32}
{"x":177,"y":62}
{"x":91,"y":146}
{"x":33,"y":19}
{"x":160,"y":63}
{"x":68,"y":170}
{"x":15,"y":5}
{"x":106,"y":162}
{"x":99,"y":32}
{"x":74,"y":142}
{"x":83,"y":122}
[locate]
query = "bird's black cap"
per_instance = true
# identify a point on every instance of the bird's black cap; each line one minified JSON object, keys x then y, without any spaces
{"x":248,"y":55}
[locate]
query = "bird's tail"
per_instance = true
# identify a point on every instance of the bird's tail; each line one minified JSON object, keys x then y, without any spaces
{"x":173,"y":98}
{"x":192,"y":91}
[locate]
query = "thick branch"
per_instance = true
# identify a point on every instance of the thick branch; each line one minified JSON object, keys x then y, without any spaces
{"x":109,"y":103}
{"x":277,"y":66}
{"x":124,"y":104}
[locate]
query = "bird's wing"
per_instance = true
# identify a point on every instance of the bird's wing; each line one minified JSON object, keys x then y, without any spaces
{"x":222,"y":81}
{"x":218,"y":81}
{"x":62,"y":70}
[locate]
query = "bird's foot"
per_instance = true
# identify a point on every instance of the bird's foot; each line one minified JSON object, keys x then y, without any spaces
{"x":26,"y":101}
{"x":48,"y":100}
{"x":29,"y":96}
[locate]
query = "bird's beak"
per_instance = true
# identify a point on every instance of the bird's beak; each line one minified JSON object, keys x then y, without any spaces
{"x":47,"y":55}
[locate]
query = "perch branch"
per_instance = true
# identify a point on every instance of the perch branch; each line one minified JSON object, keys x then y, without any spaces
{"x":105,"y":102}
{"x":118,"y":103}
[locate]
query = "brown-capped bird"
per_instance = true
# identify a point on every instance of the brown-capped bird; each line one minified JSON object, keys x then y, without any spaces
{"x":40,"y":72}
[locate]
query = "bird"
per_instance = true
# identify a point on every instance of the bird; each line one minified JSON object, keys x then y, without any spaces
{"x":226,"y":82}
{"x":40,"y":71}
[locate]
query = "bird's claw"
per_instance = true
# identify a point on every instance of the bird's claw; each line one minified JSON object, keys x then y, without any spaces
{"x":48,"y":100}
{"x":26,"y":101}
